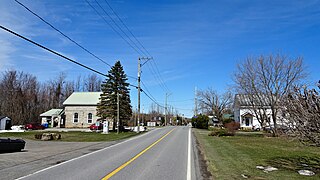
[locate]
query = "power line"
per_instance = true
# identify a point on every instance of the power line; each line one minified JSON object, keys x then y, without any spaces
{"x":183,"y":109}
{"x":115,"y":23}
{"x":155,"y":71}
{"x":182,"y":100}
{"x":152,"y":99}
{"x":158,"y":78}
{"x":62,"y":33}
{"x":112,"y":27}
{"x":147,"y":89}
{"x":54,"y":52}
{"x":66,"y":35}
{"x":127,"y":28}
{"x":122,"y":22}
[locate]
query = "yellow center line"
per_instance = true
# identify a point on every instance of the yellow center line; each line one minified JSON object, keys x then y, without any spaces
{"x":134,"y":158}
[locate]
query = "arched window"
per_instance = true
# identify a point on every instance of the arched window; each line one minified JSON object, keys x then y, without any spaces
{"x":89,"y":118}
{"x":75,"y":117}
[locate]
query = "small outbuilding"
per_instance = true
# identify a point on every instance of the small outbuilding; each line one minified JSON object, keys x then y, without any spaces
{"x":53,"y":117}
{"x":5,"y":123}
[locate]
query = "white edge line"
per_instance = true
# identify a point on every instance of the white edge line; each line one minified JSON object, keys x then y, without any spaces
{"x":82,"y":156}
{"x":189,"y":156}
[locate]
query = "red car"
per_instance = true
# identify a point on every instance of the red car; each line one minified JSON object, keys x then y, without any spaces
{"x":34,"y":126}
{"x":96,"y":126}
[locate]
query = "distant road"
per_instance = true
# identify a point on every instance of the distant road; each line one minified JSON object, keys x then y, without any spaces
{"x":164,"y":153}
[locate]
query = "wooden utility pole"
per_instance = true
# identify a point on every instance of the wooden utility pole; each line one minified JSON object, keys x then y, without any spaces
{"x":118,"y":112}
{"x":139,"y":87}
{"x":195,"y":102}
{"x":166,"y":108}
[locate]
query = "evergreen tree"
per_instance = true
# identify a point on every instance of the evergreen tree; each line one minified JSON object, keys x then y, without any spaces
{"x":115,"y":83}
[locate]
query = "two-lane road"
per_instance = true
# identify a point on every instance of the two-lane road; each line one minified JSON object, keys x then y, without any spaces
{"x":164,"y":153}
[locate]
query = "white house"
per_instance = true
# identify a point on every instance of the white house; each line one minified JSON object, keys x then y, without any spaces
{"x":80,"y":109}
{"x":244,"y":111}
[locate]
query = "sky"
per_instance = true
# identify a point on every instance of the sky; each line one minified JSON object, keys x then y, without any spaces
{"x":194,"y":43}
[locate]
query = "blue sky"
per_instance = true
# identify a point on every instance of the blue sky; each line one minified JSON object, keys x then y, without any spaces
{"x":194,"y":43}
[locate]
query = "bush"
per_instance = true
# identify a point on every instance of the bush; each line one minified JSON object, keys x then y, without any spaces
{"x":200,"y":121}
{"x":221,"y":132}
{"x":232,"y":126}
{"x":38,"y":136}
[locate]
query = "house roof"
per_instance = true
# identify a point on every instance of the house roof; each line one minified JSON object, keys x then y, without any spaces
{"x":247,"y":99}
{"x":4,"y":117}
{"x":227,"y":116}
{"x":247,"y":114}
{"x":83,"y":98}
{"x":52,"y":112}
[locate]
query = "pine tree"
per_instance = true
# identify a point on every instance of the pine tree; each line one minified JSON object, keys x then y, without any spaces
{"x":115,"y":83}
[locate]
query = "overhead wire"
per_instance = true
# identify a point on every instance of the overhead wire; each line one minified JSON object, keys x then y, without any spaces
{"x":157,"y":77}
{"x":145,"y":87}
{"x":116,"y":24}
{"x":159,"y":74}
{"x":66,"y":36}
{"x":117,"y":32}
{"x":122,"y":22}
{"x":85,"y":49}
{"x":182,"y":100}
{"x":63,"y":34}
{"x":155,"y":71}
{"x":152,"y":99}
{"x":54,"y":52}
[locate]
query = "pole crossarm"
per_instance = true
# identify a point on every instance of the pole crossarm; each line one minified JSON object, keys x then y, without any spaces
{"x":146,"y":60}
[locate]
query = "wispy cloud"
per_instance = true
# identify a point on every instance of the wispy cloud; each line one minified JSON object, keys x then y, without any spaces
{"x":6,"y":49}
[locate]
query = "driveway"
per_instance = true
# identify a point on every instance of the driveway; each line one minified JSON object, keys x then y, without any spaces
{"x":38,"y":155}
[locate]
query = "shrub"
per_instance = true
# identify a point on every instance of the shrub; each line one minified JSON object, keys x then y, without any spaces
{"x":38,"y":135}
{"x":221,"y":132}
{"x":232,"y":126}
{"x":200,"y":121}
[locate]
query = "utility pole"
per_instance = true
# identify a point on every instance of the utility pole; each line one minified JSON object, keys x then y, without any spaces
{"x":166,"y":109}
{"x":195,"y":102}
{"x":139,"y":87}
{"x":118,"y":112}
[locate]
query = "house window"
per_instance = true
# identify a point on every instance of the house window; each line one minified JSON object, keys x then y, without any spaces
{"x":89,"y":118}
{"x":75,"y":117}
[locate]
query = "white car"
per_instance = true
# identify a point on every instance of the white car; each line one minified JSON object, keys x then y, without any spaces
{"x":256,"y":127}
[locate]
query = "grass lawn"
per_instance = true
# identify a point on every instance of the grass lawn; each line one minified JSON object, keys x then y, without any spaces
{"x":73,"y":136}
{"x":229,"y":157}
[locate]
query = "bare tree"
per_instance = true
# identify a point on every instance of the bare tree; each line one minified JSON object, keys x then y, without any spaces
{"x":302,"y":110}
{"x":92,"y":83}
{"x":213,"y":103}
{"x":266,"y":80}
{"x":19,"y":96}
{"x":23,"y":98}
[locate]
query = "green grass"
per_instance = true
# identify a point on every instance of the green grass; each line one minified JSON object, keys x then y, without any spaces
{"x":74,"y":136}
{"x":229,"y":157}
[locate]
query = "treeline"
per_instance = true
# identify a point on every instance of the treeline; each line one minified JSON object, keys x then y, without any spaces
{"x":23,"y":98}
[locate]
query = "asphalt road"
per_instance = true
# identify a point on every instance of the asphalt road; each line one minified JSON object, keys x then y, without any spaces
{"x":165,"y":153}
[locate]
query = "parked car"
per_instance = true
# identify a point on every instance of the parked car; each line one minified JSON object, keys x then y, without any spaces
{"x":256,"y":127}
{"x":11,"y":145}
{"x":96,"y":126}
{"x":34,"y":126}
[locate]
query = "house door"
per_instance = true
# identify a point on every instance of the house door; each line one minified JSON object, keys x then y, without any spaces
{"x":8,"y":125}
{"x":247,"y":119}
